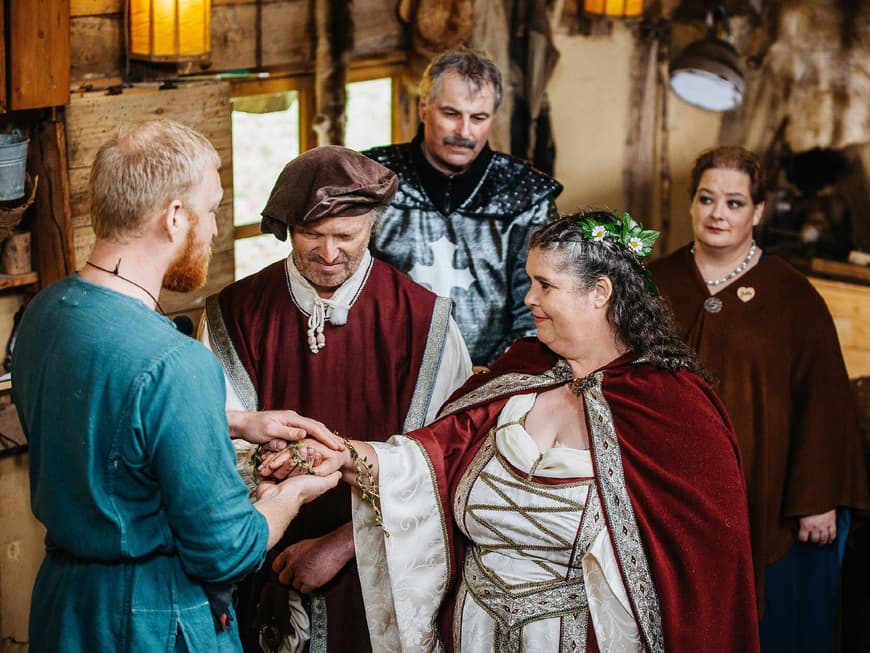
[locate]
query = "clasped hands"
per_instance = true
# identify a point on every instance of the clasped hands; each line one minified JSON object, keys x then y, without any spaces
{"x":311,"y":455}
{"x":310,"y":563}
{"x":289,"y":443}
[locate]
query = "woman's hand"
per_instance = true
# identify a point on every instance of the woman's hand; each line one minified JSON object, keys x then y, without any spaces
{"x":309,"y":455}
{"x":820,"y":529}
{"x":291,"y":459}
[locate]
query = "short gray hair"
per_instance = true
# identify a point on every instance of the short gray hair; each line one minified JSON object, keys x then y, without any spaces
{"x":474,"y":66}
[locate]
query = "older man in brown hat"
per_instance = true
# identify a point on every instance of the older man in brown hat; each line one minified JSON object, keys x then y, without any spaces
{"x":341,"y":337}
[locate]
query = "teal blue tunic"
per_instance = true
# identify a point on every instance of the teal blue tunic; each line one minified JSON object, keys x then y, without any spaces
{"x":132,"y":473}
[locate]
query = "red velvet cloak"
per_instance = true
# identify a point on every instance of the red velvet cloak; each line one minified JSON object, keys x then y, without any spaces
{"x":682,"y":474}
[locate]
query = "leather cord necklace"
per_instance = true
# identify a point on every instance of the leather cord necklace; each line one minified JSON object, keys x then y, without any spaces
{"x":130,"y":281}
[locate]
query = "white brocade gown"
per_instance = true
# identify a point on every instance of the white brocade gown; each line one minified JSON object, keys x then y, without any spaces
{"x":536,"y":575}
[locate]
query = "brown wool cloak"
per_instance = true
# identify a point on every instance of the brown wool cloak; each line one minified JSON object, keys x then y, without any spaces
{"x":779,"y":370}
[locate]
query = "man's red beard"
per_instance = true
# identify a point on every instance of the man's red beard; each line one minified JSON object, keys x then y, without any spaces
{"x":189,"y":270}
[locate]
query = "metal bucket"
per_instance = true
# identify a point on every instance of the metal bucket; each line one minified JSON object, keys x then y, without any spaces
{"x":13,"y":162}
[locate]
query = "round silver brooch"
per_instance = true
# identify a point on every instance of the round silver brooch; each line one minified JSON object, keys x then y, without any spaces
{"x":712,"y":304}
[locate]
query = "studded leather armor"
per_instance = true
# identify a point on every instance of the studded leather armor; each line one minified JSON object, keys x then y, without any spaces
{"x":470,"y":243}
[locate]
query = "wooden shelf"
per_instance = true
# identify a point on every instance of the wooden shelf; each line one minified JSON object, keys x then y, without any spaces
{"x":851,"y":271}
{"x":16,"y":280}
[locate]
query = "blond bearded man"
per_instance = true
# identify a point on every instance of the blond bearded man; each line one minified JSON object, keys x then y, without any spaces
{"x":131,"y":470}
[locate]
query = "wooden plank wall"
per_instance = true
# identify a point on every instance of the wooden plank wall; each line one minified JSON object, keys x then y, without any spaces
{"x":96,"y":38}
{"x":849,"y":304}
{"x":287,"y":36}
{"x":36,"y":28}
{"x":97,"y":51}
{"x":97,"y":58}
{"x":22,"y":540}
{"x":91,"y":118}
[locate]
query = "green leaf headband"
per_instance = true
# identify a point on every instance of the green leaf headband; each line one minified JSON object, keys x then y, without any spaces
{"x":625,"y":231}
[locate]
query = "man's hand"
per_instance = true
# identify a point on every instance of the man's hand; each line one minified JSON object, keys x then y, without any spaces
{"x":305,"y":487}
{"x":273,"y":427}
{"x":309,"y":564}
{"x":280,"y":502}
{"x":821,"y":529}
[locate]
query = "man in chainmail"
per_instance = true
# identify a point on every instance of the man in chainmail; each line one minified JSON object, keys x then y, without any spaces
{"x":460,"y":220}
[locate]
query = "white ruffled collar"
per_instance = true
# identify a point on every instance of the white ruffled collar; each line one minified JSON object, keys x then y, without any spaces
{"x":335,"y":309}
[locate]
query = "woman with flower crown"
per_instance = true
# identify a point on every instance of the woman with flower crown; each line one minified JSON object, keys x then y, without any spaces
{"x":766,"y":335}
{"x":585,"y":494}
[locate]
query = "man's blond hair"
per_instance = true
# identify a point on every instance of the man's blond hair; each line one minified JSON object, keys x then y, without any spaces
{"x":141,"y":170}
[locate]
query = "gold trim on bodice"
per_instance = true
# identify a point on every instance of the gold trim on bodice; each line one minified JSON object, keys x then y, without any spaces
{"x":608,"y":505}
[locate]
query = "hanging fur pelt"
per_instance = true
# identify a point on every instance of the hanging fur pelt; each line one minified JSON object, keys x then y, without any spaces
{"x":441,"y":25}
{"x":821,"y":56}
{"x":815,"y":75}
{"x":435,"y":26}
{"x":333,"y":25}
{"x":491,"y":35}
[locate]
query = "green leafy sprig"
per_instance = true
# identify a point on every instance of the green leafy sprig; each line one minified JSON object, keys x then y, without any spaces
{"x":303,"y":464}
{"x":366,"y":483}
{"x":625,"y":231}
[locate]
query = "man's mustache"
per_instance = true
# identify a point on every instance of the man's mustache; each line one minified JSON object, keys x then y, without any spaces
{"x":461,"y":142}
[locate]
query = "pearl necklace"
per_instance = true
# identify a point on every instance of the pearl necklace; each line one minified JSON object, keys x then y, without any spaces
{"x":740,"y":268}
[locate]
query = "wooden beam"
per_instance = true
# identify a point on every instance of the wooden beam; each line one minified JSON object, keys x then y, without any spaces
{"x":3,"y":100}
{"x":52,"y":224}
{"x":18,"y":280}
{"x":95,"y":7}
{"x":249,"y":230}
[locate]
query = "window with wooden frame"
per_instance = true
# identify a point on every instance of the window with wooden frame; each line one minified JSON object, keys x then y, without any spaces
{"x":272,"y":124}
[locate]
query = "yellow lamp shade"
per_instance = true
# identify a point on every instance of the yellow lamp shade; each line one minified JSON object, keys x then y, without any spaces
{"x":170,"y":30}
{"x":623,"y":8}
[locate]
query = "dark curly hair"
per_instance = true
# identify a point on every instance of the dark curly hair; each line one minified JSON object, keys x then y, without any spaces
{"x":642,"y":320}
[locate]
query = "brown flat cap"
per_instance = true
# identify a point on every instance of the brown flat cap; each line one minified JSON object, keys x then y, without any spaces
{"x":326,"y":182}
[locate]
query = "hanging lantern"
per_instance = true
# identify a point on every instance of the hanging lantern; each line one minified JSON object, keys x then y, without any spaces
{"x":708,"y":73}
{"x":616,"y":8}
{"x":170,"y":30}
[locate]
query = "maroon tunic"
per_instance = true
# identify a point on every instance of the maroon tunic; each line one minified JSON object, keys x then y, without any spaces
{"x":361,"y":385}
{"x":682,"y":476}
{"x":780,"y":373}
